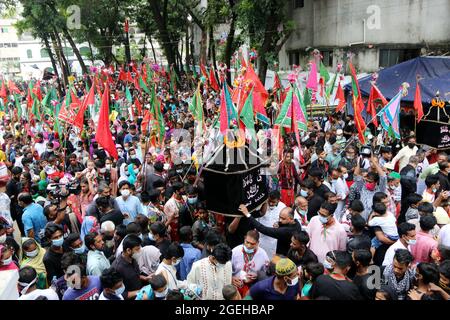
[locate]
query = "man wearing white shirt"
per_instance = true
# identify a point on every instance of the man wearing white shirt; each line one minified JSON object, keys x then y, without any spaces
{"x":444,"y":236}
{"x":27,"y":284}
{"x":40,"y":144}
{"x":301,"y":211}
{"x":269,"y":218}
{"x":405,"y":153}
{"x":407,"y":234}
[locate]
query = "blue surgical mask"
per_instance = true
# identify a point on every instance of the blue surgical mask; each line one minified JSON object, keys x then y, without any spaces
{"x":412,"y":242}
{"x":302,"y":212}
{"x":247,"y":250}
{"x":327,"y":265}
{"x":120,"y":290}
{"x":434,"y":190}
{"x":151,"y":237}
{"x":192,"y":200}
{"x":80,"y":250}
{"x":303,"y":193}
{"x":323,"y":220}
{"x":58,"y":242}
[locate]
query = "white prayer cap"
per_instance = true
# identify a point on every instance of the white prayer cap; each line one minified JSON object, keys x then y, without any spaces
{"x":107,"y":226}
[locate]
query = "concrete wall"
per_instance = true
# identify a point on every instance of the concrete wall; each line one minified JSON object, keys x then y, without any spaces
{"x":335,"y":24}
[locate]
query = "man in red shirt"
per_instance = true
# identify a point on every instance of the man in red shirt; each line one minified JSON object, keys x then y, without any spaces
{"x":289,"y":179}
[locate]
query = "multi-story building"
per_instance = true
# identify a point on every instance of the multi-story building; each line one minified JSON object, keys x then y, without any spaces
{"x":9,"y":49}
{"x":378,"y":33}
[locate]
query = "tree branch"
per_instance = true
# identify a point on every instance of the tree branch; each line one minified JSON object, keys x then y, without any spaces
{"x":283,"y":41}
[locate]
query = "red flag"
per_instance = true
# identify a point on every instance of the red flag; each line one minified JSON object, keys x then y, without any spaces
{"x":75,"y":101}
{"x":258,"y":86}
{"x":129,"y":78}
{"x":243,"y":63}
{"x":418,"y":103}
{"x":29,"y":99}
{"x":138,"y":106}
{"x":65,"y":113}
{"x":223,"y":115}
{"x":126,"y":26}
{"x":358,"y":106}
{"x":375,"y":94}
{"x":122,"y":75}
{"x":341,"y":97}
{"x":145,"y":121}
{"x":203,"y":70}
{"x":213,"y":81}
{"x":277,"y":84}
{"x":294,"y":124}
{"x":103,"y":134}
{"x":258,"y":105}
{"x":3,"y":93}
{"x":37,"y":91}
{"x":88,"y":100}
{"x":13,"y":88}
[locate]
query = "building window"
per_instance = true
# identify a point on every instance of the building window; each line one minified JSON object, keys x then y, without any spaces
{"x":29,"y":54}
{"x":390,"y":57}
{"x":327,"y":58}
{"x":294,"y":58}
{"x":68,"y":52}
{"x":4,"y":30}
{"x":298,"y":3}
{"x":85,"y":52}
{"x":14,"y":45}
{"x":44,"y":53}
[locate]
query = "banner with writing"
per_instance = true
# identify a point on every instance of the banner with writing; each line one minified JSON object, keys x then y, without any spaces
{"x":225,"y":192}
{"x":434,"y":134}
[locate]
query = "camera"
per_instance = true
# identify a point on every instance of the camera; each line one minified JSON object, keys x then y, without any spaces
{"x":61,"y":190}
{"x":366,"y":151}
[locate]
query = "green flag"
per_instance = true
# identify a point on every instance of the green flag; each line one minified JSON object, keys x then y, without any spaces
{"x":306,"y":97}
{"x":18,"y":105}
{"x":157,"y":115}
{"x":35,"y":109}
{"x":196,"y":107}
{"x":143,"y":85}
{"x":247,"y":116}
{"x":128,"y":95}
{"x":46,"y":102}
{"x":333,"y":84}
{"x":324,"y":72}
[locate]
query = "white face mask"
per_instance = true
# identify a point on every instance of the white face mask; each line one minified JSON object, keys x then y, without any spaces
{"x":162,"y":294}
{"x":125,"y":192}
{"x":133,"y":156}
{"x":7,"y":261}
{"x":32,"y":254}
{"x":3,"y":238}
{"x":293,"y":282}
{"x":345,"y":176}
{"x":136,"y":255}
{"x":108,"y":167}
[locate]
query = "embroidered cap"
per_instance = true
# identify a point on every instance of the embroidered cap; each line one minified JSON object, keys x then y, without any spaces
{"x":285,"y":267}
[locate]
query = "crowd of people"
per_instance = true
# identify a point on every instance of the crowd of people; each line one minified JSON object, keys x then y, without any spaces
{"x":341,"y":221}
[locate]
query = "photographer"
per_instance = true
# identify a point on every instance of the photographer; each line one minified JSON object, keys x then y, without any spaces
{"x":65,"y":216}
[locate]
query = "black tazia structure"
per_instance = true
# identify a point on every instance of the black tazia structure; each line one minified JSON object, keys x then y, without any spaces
{"x":234,"y":175}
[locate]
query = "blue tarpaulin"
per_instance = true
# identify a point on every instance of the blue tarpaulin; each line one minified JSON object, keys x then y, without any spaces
{"x":434,"y":74}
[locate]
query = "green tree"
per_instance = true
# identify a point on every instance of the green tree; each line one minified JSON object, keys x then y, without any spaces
{"x":266,"y":24}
